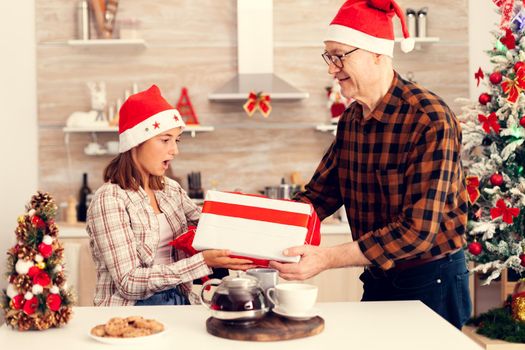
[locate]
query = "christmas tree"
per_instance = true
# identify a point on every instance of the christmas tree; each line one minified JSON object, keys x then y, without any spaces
{"x":36,"y":296}
{"x":494,"y":153}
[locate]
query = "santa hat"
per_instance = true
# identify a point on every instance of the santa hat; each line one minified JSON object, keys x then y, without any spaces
{"x":144,"y":115}
{"x":367,"y":24}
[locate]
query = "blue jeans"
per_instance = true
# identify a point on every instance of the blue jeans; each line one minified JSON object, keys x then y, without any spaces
{"x":442,"y":285}
{"x":167,"y":297}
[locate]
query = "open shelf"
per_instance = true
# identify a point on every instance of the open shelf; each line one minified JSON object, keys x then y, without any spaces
{"x":193,"y":129}
{"x":108,"y":43}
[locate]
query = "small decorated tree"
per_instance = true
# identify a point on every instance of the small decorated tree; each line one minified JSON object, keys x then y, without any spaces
{"x":36,"y":295}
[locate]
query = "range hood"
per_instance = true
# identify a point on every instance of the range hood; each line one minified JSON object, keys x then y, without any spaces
{"x":255,"y":57}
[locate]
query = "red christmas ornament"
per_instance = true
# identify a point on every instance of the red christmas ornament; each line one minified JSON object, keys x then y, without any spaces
{"x":30,"y":306}
{"x":496,"y":78}
{"x":519,"y":65}
{"x":475,"y":248}
{"x":17,"y":302}
{"x":53,"y":302}
{"x":522,"y":122}
{"x":522,"y":258}
{"x":496,"y":179}
{"x":38,"y":222}
{"x":45,"y":249}
{"x":484,"y":98}
{"x":33,"y":271}
{"x":337,"y":108}
{"x":42,"y":279}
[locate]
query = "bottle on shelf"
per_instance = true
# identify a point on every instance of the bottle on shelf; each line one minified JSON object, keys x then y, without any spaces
{"x":83,"y":20}
{"x":84,"y":198}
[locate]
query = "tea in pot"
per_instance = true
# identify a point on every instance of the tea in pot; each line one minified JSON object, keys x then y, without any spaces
{"x":237,"y":298}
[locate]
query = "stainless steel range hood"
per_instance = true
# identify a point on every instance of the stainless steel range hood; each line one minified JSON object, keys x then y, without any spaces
{"x":255,"y":57}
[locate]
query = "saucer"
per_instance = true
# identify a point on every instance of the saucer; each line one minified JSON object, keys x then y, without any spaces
{"x":299,"y":316}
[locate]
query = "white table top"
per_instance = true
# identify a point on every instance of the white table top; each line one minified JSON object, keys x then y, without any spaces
{"x":349,"y":325}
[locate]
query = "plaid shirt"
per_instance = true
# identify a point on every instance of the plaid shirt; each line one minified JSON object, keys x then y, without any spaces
{"x":398,"y":173}
{"x":124,"y":236}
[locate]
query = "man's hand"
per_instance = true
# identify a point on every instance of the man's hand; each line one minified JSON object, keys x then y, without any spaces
{"x":220,"y":258}
{"x":313,"y":261}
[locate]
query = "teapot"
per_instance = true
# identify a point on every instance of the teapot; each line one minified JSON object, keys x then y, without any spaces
{"x":237,"y":298}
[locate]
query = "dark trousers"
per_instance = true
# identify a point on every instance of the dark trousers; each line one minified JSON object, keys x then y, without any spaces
{"x":442,"y":285}
{"x":167,"y":297}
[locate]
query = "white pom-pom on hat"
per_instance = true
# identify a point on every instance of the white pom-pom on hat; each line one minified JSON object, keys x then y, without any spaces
{"x":407,"y":44}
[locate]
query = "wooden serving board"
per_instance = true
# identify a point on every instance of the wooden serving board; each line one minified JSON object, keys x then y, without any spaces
{"x":270,"y":328}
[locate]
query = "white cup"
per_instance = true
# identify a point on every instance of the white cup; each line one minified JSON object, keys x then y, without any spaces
{"x":293,"y":298}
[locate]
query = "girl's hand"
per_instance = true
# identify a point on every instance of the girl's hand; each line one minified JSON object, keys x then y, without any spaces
{"x":220,"y":258}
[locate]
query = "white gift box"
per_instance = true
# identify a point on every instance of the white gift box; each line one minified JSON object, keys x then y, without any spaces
{"x":254,"y":226}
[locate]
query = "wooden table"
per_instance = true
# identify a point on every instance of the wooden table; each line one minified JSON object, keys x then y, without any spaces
{"x":349,"y":325}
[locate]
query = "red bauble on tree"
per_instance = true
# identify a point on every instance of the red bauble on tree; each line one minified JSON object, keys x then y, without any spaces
{"x":38,"y":222}
{"x":53,"y":302}
{"x":484,"y":98}
{"x":496,"y":179}
{"x":495,"y":78}
{"x":522,"y":122}
{"x":475,"y":248}
{"x":522,"y":258}
{"x":45,"y":249}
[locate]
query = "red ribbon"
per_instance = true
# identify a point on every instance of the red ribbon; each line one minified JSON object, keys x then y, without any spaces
{"x":256,"y":213}
{"x":514,"y":87}
{"x":258,"y":101}
{"x":506,"y":7}
{"x":479,"y":75}
{"x":489,"y":122}
{"x":501,"y":209}
{"x":473,"y":188}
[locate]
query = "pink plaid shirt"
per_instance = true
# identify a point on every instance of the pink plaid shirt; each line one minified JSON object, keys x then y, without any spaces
{"x":124,"y":237}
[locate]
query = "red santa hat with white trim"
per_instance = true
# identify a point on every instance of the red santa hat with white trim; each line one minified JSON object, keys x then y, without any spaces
{"x":144,"y":115}
{"x":367,"y":24}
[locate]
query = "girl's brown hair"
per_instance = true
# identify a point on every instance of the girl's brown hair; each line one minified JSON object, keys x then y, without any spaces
{"x":123,"y":172}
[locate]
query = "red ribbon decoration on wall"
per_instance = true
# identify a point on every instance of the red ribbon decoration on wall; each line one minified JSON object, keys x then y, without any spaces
{"x":479,"y":75}
{"x":473,"y":188}
{"x":501,"y":209}
{"x":259,"y":101}
{"x":489,"y":122}
{"x":506,"y":7}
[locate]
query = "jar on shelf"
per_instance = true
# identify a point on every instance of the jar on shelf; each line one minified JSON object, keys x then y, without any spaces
{"x":128,"y":28}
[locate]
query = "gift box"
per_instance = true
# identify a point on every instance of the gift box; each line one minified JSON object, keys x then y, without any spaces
{"x":254,"y":226}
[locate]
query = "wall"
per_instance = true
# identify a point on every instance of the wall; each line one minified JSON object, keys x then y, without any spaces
{"x":18,"y":144}
{"x":481,"y":13}
{"x":193,"y":44}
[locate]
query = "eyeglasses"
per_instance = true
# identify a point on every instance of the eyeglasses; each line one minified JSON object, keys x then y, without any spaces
{"x":337,"y":60}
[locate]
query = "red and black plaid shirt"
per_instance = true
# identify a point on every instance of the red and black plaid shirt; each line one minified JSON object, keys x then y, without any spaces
{"x":398,"y":173}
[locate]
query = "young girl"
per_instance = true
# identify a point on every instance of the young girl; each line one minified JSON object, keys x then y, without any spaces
{"x":138,"y":211}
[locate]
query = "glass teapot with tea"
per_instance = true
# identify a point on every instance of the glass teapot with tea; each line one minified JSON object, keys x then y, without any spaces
{"x":237,"y":298}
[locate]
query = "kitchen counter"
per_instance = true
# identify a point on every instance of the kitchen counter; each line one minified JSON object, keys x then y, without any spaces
{"x":349,"y":325}
{"x":79,"y":230}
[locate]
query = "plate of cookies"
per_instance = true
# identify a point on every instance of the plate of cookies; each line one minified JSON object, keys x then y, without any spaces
{"x":127,"y":330}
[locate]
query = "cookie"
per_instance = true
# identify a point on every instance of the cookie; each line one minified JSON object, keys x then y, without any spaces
{"x":135,"y":332}
{"x":115,"y":327}
{"x":98,"y":331}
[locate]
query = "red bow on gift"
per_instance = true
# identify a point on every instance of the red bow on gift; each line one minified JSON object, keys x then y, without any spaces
{"x":513,"y":87}
{"x":506,"y":7}
{"x":259,"y":101}
{"x":489,"y":122}
{"x":479,"y":75}
{"x":502,"y":210}
{"x":473,"y":188}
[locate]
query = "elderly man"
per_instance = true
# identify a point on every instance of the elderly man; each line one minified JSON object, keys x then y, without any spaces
{"x":395,"y":166}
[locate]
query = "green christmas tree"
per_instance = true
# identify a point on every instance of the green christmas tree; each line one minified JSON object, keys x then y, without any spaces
{"x":36,"y":296}
{"x":494,"y":154}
